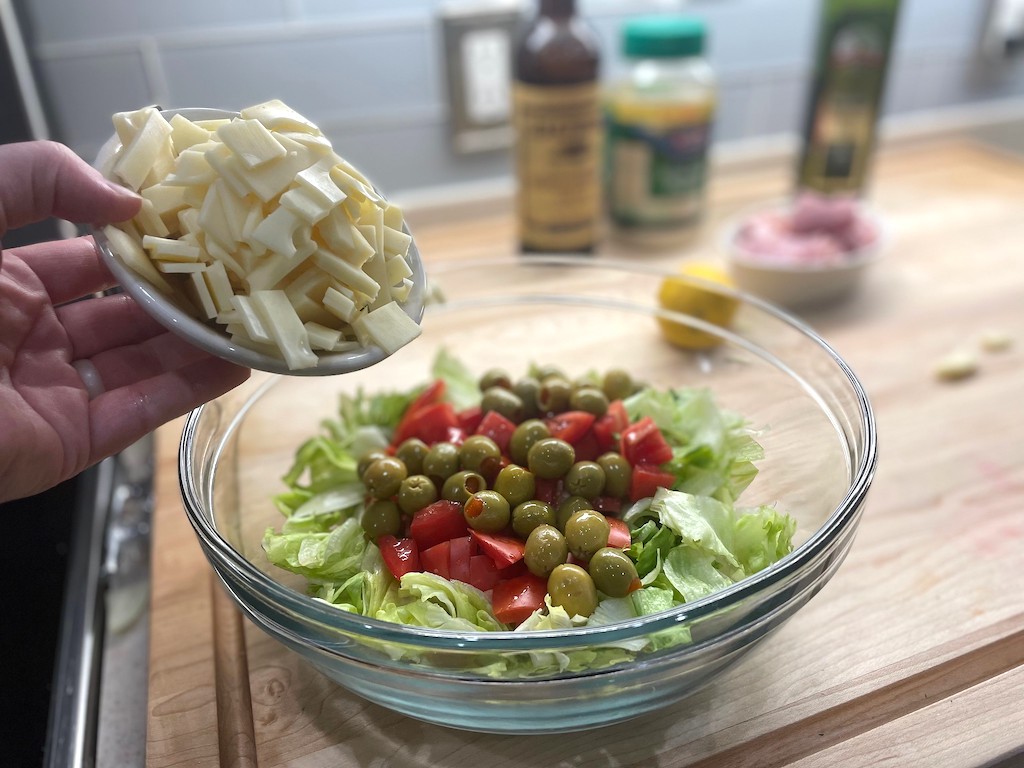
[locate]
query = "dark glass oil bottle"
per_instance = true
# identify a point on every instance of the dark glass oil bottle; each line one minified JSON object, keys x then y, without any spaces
{"x":854,"y":45}
{"x":556,"y":107}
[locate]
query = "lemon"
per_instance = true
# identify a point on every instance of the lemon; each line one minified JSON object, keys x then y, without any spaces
{"x":685,"y":293}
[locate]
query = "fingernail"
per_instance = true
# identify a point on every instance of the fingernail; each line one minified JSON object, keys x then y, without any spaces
{"x":122,"y":190}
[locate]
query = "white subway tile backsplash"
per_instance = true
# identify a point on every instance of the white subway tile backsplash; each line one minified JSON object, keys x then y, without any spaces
{"x":58,"y":21}
{"x":82,"y":92}
{"x":321,"y":75}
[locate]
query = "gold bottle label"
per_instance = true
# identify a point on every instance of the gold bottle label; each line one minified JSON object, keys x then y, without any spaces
{"x":558,"y":149}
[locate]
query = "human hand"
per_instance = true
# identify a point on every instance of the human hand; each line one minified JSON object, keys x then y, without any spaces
{"x":79,"y":380}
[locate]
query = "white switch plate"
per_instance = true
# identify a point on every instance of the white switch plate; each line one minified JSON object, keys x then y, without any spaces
{"x":478,"y":40}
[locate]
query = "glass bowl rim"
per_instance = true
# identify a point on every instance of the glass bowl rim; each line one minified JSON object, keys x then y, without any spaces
{"x":308,"y":609}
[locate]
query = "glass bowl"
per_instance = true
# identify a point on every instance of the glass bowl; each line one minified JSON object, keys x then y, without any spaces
{"x":813,"y":420}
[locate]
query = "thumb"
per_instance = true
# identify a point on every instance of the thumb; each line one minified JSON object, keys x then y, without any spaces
{"x":39,"y":179}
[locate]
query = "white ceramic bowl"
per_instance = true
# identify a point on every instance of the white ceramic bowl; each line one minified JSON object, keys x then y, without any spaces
{"x":212,"y":337}
{"x":798,"y":286}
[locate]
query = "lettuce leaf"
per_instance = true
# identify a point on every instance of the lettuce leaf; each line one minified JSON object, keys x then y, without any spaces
{"x":462,"y":388}
{"x":320,"y":556}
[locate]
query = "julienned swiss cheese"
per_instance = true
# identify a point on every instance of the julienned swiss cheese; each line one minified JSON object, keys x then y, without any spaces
{"x":255,"y":223}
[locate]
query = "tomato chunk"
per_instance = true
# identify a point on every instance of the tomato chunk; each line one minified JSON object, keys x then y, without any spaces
{"x":436,"y":559}
{"x":619,"y":535}
{"x":587,"y":447}
{"x":459,"y":553}
{"x":608,"y":427}
{"x":570,"y":425}
{"x":643,"y":443}
{"x":432,"y":423}
{"x":498,"y":428}
{"x":441,"y":521}
{"x":503,"y":550}
{"x":469,"y":418}
{"x":432,"y":394}
{"x":647,"y":479}
{"x":401,"y":556}
{"x":483,"y":574}
{"x":548,"y":491}
{"x":514,"y":600}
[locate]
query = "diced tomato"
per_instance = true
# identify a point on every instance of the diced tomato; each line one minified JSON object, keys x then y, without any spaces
{"x":607,"y":504}
{"x":469,"y":419}
{"x":456,"y":435}
{"x":503,"y":550}
{"x":619,"y":535}
{"x":441,"y":521}
{"x":573,"y":560}
{"x":647,"y":479}
{"x":432,"y":394}
{"x":514,"y":600}
{"x":437,"y":559}
{"x":518,"y":568}
{"x":460,"y":552}
{"x":587,"y":447}
{"x":431,"y":424}
{"x":483,"y":574}
{"x":643,"y":443}
{"x":548,"y":491}
{"x":608,"y":427}
{"x":401,"y":556}
{"x":498,"y":428}
{"x":570,"y":425}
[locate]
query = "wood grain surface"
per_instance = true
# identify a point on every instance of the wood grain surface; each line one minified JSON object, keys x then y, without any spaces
{"x":912,"y":655}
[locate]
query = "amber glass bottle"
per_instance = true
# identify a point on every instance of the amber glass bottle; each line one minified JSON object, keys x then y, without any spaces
{"x":558,"y":131}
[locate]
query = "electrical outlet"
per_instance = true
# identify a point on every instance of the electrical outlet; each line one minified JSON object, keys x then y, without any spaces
{"x":478,"y":44}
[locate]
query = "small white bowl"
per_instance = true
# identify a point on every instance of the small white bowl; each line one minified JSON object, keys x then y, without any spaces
{"x":791,"y":285}
{"x":212,"y":337}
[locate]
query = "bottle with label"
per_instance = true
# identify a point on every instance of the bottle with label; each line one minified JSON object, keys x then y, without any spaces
{"x":852,"y":59}
{"x":557,"y":118}
{"x":658,"y":127}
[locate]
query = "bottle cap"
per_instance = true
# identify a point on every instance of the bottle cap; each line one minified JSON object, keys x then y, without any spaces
{"x":663,"y":37}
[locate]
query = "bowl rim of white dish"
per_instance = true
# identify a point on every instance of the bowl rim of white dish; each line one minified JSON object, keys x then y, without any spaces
{"x":853,"y":260}
{"x":208,"y":337}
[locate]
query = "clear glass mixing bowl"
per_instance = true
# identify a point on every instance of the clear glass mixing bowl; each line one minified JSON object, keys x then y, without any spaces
{"x":813,"y":420}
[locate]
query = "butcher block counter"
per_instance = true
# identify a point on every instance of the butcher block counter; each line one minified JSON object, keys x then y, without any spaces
{"x":912,"y":655}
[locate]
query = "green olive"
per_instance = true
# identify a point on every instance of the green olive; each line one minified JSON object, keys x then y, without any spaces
{"x":527,"y":388}
{"x":441,"y":461}
{"x":542,"y":372}
{"x":569,"y":507}
{"x":572,"y":588}
{"x":515,"y":483}
{"x":550,"y":458}
{"x":381,"y":518}
{"x":503,"y":401}
{"x":366,"y":460}
{"x":618,"y":474}
{"x":589,"y":399}
{"x":612,"y":571}
{"x":495,"y":377}
{"x":545,"y":549}
{"x":460,"y":486}
{"x":412,"y":452}
{"x":415,"y":493}
{"x":586,"y":531}
{"x":523,"y":438}
{"x":617,"y":384}
{"x":384,"y":476}
{"x":487,"y":511}
{"x":530,"y":514}
{"x":477,"y":451}
{"x":554,"y":394}
{"x":586,"y":479}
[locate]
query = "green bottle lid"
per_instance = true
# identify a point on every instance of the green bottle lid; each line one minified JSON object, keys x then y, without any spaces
{"x":663,"y":37}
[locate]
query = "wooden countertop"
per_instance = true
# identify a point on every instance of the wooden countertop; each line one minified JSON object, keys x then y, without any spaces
{"x":912,"y":655}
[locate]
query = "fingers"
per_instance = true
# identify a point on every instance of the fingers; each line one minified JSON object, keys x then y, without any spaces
{"x":107,"y":323}
{"x":44,"y":178}
{"x":69,"y":269}
{"x":122,"y":416}
{"x":124,"y":366}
